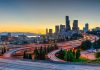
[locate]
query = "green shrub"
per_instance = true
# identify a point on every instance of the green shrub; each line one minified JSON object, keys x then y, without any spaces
{"x":86,"y":45}
{"x":97,"y":54}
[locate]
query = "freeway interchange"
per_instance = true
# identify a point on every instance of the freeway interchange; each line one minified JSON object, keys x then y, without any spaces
{"x":73,"y":44}
{"x":15,"y":64}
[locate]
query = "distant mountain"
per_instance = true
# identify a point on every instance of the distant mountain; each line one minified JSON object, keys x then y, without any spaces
{"x":19,"y":33}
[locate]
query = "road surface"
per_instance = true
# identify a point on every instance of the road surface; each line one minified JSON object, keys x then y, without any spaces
{"x":64,"y":45}
{"x":73,"y":44}
{"x":6,"y":64}
{"x":52,"y":56}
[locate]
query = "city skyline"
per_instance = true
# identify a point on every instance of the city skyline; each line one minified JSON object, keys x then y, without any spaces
{"x":36,"y":16}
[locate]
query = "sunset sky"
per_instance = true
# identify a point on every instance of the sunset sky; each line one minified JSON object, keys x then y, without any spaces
{"x":37,"y":15}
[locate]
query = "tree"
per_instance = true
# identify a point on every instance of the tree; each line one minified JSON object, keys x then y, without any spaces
{"x":65,"y":57}
{"x":48,"y":49}
{"x":36,"y":53}
{"x":86,"y":45}
{"x":42,"y":51}
{"x":55,"y":46}
{"x":97,"y":54}
{"x":74,"y":53}
{"x":45,"y":50}
{"x":41,"y":54}
{"x":78,"y":54}
{"x":70,"y":56}
{"x":30,"y":56}
{"x":2,"y":51}
{"x":61,"y":54}
{"x":96,"y":44}
{"x":25,"y":56}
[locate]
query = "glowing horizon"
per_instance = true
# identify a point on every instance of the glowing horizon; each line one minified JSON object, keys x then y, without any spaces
{"x":35,"y":29}
{"x":36,"y":16}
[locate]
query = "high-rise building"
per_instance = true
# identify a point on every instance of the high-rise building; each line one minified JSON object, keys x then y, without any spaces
{"x":57,"y":29}
{"x":46,"y":31}
{"x":62,"y":28}
{"x":75,"y":25}
{"x":50,"y":31}
{"x":86,"y":28}
{"x":67,"y":24}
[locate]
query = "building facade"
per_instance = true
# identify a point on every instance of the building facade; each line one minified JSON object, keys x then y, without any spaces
{"x":57,"y":29}
{"x":67,"y":24}
{"x":75,"y":25}
{"x":62,"y":28}
{"x":86,"y":28}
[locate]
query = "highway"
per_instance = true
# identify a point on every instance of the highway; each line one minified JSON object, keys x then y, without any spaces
{"x":6,"y":64}
{"x":65,"y":45}
{"x":52,"y":56}
{"x":73,"y":44}
{"x":14,"y":64}
{"x":9,"y":53}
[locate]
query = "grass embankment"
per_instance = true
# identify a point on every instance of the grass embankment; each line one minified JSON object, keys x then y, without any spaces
{"x":97,"y":61}
{"x":82,"y":60}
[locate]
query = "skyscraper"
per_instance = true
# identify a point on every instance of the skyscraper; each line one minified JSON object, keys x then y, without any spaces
{"x":67,"y":24}
{"x":46,"y":31}
{"x":50,"y":31}
{"x":86,"y":28}
{"x":57,"y":29}
{"x":75,"y":25}
{"x":62,"y":28}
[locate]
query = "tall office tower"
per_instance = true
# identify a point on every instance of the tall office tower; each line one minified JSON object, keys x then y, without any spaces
{"x":67,"y":24}
{"x":46,"y":31}
{"x":75,"y":25}
{"x":57,"y":29}
{"x":62,"y":28}
{"x":9,"y":36}
{"x":50,"y":31}
{"x":86,"y":28}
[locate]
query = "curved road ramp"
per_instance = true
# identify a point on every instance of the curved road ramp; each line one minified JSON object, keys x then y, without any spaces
{"x":7,"y":64}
